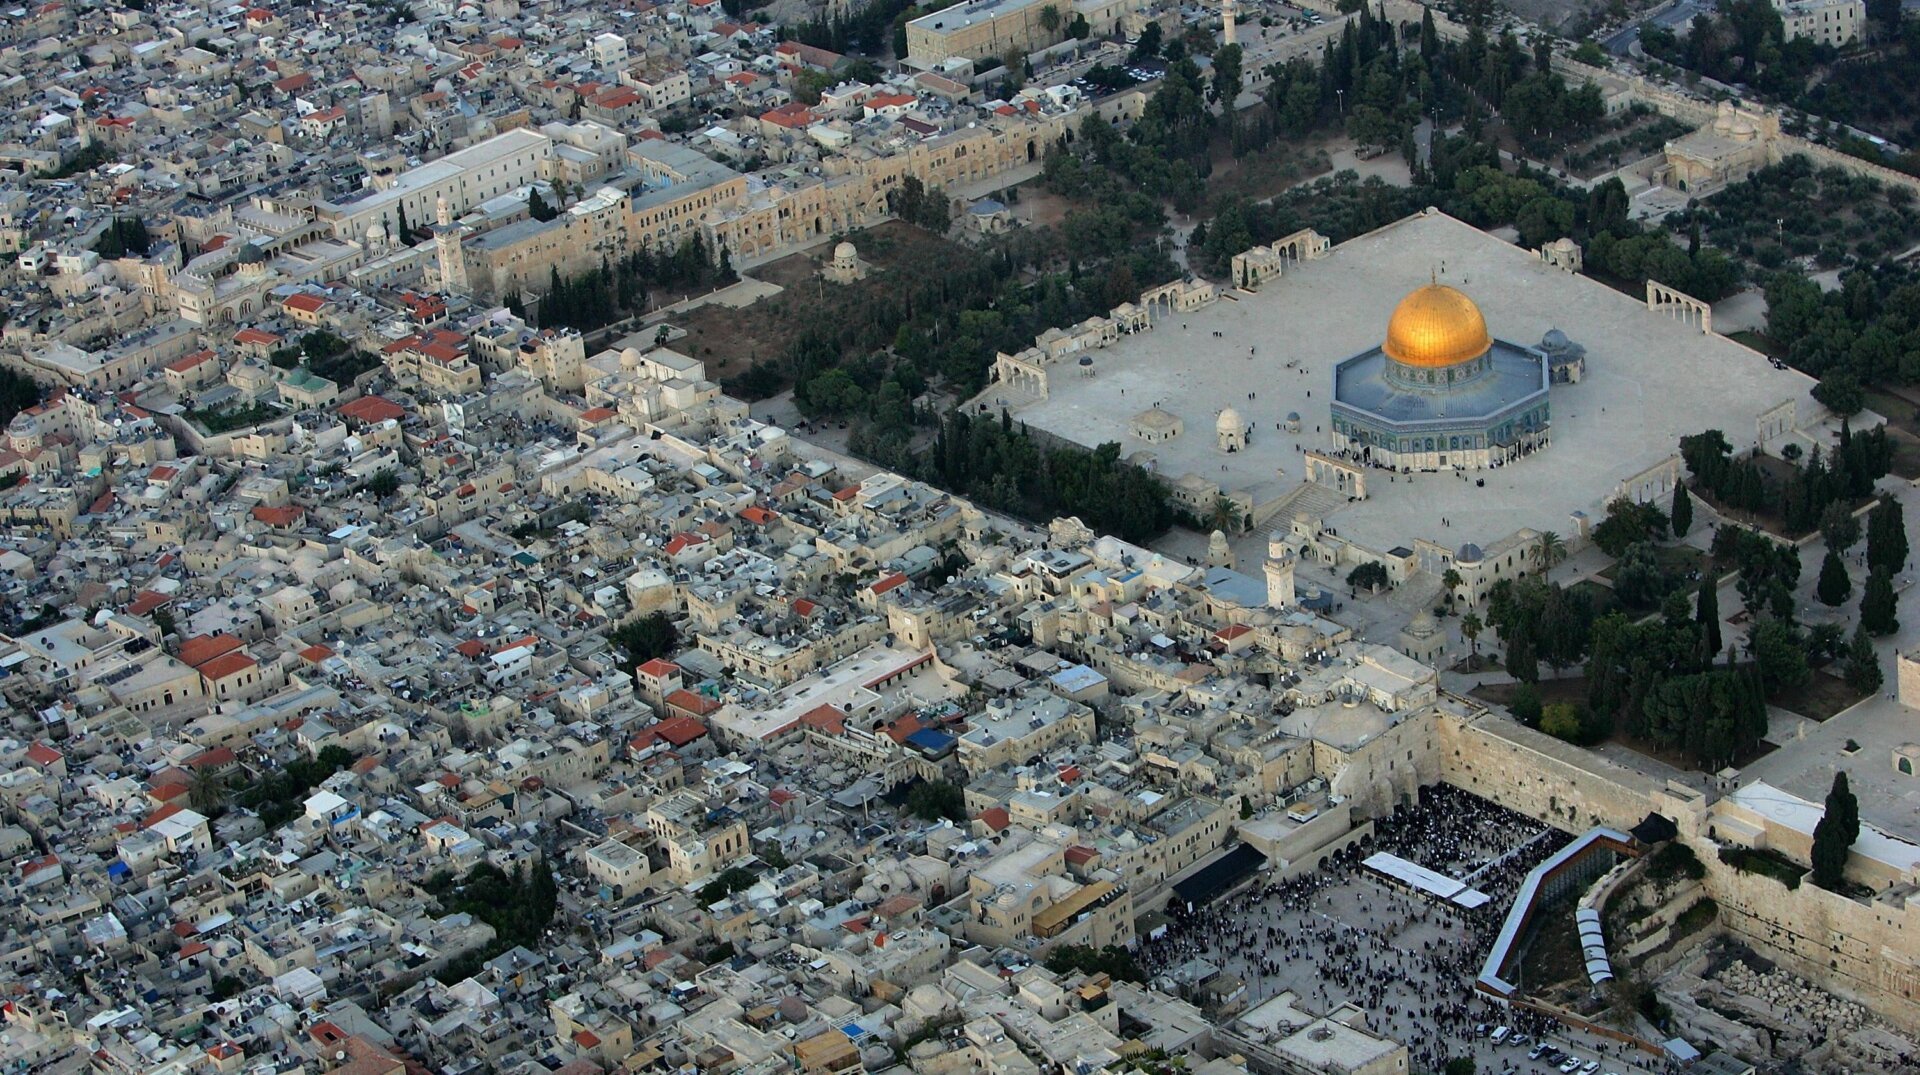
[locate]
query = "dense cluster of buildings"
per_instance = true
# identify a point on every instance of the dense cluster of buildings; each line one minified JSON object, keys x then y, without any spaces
{"x":314,"y":554}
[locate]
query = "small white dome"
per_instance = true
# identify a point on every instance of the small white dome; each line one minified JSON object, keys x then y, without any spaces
{"x":845,"y":252}
{"x":630,"y":358}
{"x":1229,"y":421}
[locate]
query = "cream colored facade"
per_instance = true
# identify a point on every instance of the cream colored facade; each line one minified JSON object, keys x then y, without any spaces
{"x":696,"y":847}
{"x":691,"y":195}
{"x":1010,"y":732}
{"x":993,"y":28}
{"x":621,"y":868}
{"x":1825,"y":22}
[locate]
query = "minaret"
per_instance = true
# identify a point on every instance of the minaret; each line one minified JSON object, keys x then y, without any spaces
{"x":446,"y":241}
{"x":1279,"y":567}
{"x":1228,"y":11}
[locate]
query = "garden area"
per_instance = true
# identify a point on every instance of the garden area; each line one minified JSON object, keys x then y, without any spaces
{"x":1646,"y":573}
{"x":1603,"y":144}
{"x":1899,"y":405}
{"x":327,"y":355}
{"x":1820,"y":697}
{"x":1630,"y":136}
{"x":1793,"y":211}
{"x":238,"y":416}
{"x":1766,"y":863}
{"x":1788,"y":497}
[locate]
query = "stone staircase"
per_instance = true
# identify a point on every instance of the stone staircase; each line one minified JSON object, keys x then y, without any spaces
{"x":1316,"y":500}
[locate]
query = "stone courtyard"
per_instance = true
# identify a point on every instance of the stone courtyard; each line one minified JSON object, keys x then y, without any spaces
{"x":1649,"y":380}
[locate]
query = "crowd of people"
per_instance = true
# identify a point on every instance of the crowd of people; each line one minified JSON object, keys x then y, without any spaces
{"x":1343,"y":934}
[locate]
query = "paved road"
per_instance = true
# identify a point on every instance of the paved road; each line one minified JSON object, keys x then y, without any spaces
{"x":1675,"y":18}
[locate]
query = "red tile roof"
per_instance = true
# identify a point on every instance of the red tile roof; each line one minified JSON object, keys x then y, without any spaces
{"x":146,"y":601}
{"x":827,"y":718}
{"x":278,"y":517}
{"x":371,"y":409}
{"x":213,"y":759}
{"x":680,"y":730}
{"x":182,"y":365}
{"x":315,"y":653}
{"x":659,"y":668}
{"x":683,"y":542}
{"x":41,"y":754}
{"x":996,"y":818}
{"x":200,"y":649}
{"x":221,"y":667}
{"x":690,"y":702}
{"x":305,"y":303}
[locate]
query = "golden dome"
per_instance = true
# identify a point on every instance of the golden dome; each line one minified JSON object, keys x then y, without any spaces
{"x":1436,"y":326}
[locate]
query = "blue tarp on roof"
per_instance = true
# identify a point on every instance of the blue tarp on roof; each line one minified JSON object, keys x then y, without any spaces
{"x":931,"y":740}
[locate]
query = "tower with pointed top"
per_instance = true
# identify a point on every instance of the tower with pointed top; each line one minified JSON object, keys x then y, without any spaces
{"x":446,"y":243}
{"x":1279,"y":569}
{"x":1229,"y":12}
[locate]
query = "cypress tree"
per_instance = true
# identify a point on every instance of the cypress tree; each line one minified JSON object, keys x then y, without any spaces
{"x":1887,"y":537}
{"x":1879,"y":605}
{"x":1682,"y":511}
{"x":1834,"y":585}
{"x":1838,"y":828}
{"x":1863,"y":666}
{"x":1707,"y":613}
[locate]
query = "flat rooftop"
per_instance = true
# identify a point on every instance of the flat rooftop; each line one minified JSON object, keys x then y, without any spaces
{"x":947,"y":20}
{"x":1649,"y":380}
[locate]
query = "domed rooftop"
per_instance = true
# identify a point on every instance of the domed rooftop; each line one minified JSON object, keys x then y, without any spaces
{"x":1469,"y":554}
{"x":1229,"y":421}
{"x":845,"y":252}
{"x":1436,"y":326}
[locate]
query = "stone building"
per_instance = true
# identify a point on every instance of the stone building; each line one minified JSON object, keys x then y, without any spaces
{"x":1441,"y":391}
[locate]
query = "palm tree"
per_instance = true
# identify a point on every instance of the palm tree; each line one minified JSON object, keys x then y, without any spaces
{"x":1224,"y":515}
{"x":1549,"y":551}
{"x":1050,"y":18}
{"x":206,"y":792}
{"x":1451,"y":580}
{"x":1470,"y":626}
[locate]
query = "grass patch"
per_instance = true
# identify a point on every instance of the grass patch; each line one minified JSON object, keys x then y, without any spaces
{"x":1572,"y":690}
{"x":1674,"y":860}
{"x":1759,"y":341}
{"x":1603,"y":598}
{"x":1765,"y":863}
{"x":231,"y":418}
{"x":1820,"y":697}
{"x":1695,"y":918}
